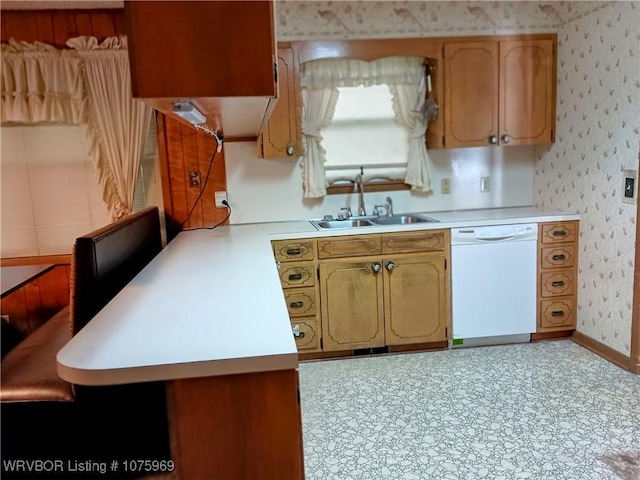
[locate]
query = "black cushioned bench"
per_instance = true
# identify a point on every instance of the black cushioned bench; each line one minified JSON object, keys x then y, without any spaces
{"x":44,"y":417}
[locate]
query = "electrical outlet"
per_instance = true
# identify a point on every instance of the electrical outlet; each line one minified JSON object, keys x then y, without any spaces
{"x":445,"y":186}
{"x":194,"y":179}
{"x":484,"y":184}
{"x":220,"y":197}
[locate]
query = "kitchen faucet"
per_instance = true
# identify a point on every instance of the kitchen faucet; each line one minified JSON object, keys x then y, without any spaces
{"x":389,"y":207}
{"x":359,"y":187}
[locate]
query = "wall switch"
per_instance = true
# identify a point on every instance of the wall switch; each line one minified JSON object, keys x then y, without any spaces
{"x":220,"y":197}
{"x":629,"y":186}
{"x":484,"y":184}
{"x":445,"y":186}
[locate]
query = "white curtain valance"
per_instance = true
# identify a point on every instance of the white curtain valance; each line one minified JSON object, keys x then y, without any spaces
{"x":41,"y":84}
{"x":346,"y":72}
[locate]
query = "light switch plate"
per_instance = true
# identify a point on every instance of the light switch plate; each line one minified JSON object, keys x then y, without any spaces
{"x":629,"y":186}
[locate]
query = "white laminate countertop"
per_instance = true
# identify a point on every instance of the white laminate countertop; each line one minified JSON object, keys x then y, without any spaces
{"x":211,"y":304}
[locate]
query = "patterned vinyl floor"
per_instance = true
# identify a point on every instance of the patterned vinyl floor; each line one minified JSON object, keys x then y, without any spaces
{"x":546,"y":410}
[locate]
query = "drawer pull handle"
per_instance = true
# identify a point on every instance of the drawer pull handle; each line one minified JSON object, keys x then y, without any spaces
{"x":559,"y":257}
{"x":295,"y":276}
{"x":559,"y":283}
{"x":294,"y":251}
{"x":559,"y":233}
{"x":557,"y":313}
{"x":296,"y":304}
{"x":296,"y":331}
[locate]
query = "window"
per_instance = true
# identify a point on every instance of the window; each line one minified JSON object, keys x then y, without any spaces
{"x":342,"y":134}
{"x":50,"y":193}
{"x":363,"y":133}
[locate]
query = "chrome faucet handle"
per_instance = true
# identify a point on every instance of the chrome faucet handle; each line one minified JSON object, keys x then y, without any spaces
{"x":345,"y":216}
{"x":376,"y":209}
{"x":389,"y":207}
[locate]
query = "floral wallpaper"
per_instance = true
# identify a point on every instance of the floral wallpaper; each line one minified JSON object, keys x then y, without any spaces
{"x":303,"y":20}
{"x":597,"y":137}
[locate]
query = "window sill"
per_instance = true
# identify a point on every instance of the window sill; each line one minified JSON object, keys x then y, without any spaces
{"x":386,"y":186}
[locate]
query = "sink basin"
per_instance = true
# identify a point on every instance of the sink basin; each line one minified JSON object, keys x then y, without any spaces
{"x":343,"y":223}
{"x":402,"y":220}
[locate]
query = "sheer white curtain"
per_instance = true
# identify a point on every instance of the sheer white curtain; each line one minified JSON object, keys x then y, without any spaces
{"x":117,"y":124}
{"x":402,"y":74}
{"x":40,"y":84}
{"x":405,"y":98}
{"x":318,"y":107}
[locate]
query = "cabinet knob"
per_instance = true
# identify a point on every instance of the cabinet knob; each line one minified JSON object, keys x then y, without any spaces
{"x":390,"y":266}
{"x":505,"y":139}
{"x":296,"y":331}
{"x":375,"y":266}
{"x":291,"y":150}
{"x":493,"y":140}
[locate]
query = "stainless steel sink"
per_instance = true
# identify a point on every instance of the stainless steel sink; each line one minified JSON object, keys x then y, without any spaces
{"x":342,"y":223}
{"x":402,"y":220}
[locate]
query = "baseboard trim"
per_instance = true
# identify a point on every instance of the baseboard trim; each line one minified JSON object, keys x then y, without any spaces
{"x":599,"y":348}
{"x":546,"y":336}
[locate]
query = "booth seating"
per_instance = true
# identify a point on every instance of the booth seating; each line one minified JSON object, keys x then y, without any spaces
{"x":44,"y":417}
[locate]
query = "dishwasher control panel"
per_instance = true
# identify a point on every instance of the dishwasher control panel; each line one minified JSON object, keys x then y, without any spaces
{"x":495,"y":233}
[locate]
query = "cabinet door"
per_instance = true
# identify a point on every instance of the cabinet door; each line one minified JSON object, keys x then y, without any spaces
{"x":527,"y":92}
{"x":282,"y":135}
{"x":352,"y":307}
{"x":471,"y":93}
{"x":415,"y":299}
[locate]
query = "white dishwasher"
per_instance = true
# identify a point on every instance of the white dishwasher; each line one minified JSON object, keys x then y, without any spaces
{"x":493,"y":284}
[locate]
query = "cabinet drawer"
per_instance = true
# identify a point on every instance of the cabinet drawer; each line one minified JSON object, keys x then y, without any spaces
{"x":301,"y":302}
{"x":292,"y":275}
{"x":294,"y":250}
{"x":560,"y":232}
{"x":557,"y":283}
{"x":556,"y":257}
{"x":338,"y":247}
{"x":426,"y":241}
{"x":306,"y":334}
{"x":558,"y":313}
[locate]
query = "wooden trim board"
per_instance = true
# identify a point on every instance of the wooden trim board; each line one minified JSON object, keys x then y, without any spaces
{"x":634,"y":359}
{"x":606,"y":352}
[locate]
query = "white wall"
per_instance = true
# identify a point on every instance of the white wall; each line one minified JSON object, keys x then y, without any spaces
{"x":598,"y":135}
{"x":271,"y":190}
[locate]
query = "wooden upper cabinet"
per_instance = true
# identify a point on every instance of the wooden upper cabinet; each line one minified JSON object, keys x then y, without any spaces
{"x":282,"y":135}
{"x":527,"y":91}
{"x":500,"y":92}
{"x":219,"y":55}
{"x":471,"y":93}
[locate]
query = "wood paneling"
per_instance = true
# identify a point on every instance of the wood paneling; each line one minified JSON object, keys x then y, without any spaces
{"x":56,"y":27}
{"x":237,"y":426}
{"x":32,"y":305}
{"x":183,"y":149}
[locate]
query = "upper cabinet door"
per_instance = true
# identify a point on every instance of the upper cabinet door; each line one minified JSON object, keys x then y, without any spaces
{"x":471,"y":93}
{"x":282,"y":135}
{"x":527,"y":92}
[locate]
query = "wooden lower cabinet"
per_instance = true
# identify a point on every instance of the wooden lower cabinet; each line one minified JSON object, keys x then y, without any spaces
{"x":375,"y":302}
{"x":352,"y":306}
{"x":557,"y":276}
{"x":415,"y":300}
